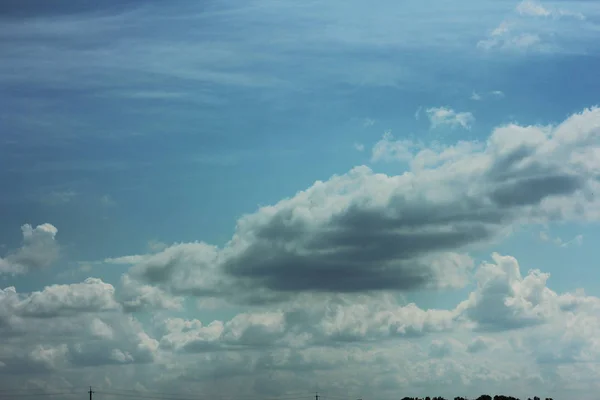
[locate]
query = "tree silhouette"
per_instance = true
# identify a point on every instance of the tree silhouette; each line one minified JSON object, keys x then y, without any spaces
{"x":482,"y":397}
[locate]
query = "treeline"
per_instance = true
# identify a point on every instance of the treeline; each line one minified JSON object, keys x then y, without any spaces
{"x":482,"y":397}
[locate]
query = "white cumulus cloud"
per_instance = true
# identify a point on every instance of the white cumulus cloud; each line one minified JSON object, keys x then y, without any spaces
{"x":38,"y":250}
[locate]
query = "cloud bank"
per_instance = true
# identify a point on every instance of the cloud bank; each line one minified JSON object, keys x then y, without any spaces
{"x":351,"y":341}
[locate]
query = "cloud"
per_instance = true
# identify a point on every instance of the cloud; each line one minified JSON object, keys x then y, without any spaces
{"x":183,"y":335}
{"x":57,"y":198}
{"x":200,"y":277}
{"x":246,"y":330}
{"x":152,"y":95}
{"x":33,"y":9}
{"x":576,"y":241}
{"x":520,"y":34}
{"x":231,"y":62}
{"x":505,"y":300}
{"x":506,"y":41}
{"x":107,"y":201}
{"x":534,"y":9}
{"x":39,"y":250}
{"x":368,"y":122}
{"x":359,"y":147}
{"x":476,"y":96}
{"x":135,"y":296}
{"x":479,"y":97}
{"x":441,"y":348}
{"x":80,"y":324}
{"x":92,"y":295}
{"x":129,"y":345}
{"x":38,"y":359}
{"x":321,"y":321}
{"x":363,"y":231}
{"x":440,"y":116}
{"x":351,"y":342}
{"x":479,"y":344}
{"x":50,"y":308}
{"x":325,"y":241}
{"x":370,"y":318}
{"x":155,"y":245}
{"x":126,"y":260}
{"x":388,"y":149}
{"x":418,"y":113}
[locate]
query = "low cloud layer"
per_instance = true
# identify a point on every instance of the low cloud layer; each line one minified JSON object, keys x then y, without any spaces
{"x":351,"y":341}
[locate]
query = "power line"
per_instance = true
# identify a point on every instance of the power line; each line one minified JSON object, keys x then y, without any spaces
{"x":136,"y":394}
{"x":288,"y":395}
{"x":142,"y":396}
{"x":326,"y":395}
{"x":35,"y":394}
{"x":38,"y":390}
{"x":171,"y":397}
{"x":258,"y":397}
{"x":334,"y":397}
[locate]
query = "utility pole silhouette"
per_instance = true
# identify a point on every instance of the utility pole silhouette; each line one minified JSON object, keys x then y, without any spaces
{"x":90,"y":392}
{"x":316,"y":396}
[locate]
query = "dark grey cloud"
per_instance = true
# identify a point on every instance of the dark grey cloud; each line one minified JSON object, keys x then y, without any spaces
{"x":532,"y":190}
{"x":378,"y":234}
{"x":344,"y":256}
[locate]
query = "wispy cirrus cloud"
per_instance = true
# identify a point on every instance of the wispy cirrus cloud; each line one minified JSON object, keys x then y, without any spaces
{"x":368,"y":122}
{"x":59,"y":197}
{"x":478,"y":96}
{"x":536,"y":9}
{"x":503,"y":38}
{"x":359,"y":147}
{"x":533,"y":27}
{"x":560,"y":242}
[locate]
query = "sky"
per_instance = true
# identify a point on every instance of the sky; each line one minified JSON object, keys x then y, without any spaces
{"x":268,"y":199}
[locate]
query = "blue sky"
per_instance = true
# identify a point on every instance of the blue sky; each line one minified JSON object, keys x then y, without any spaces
{"x":164,"y":166}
